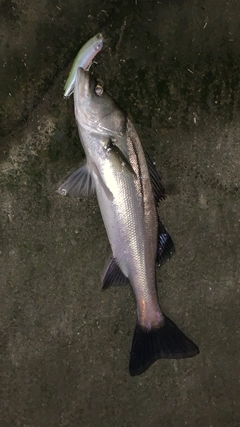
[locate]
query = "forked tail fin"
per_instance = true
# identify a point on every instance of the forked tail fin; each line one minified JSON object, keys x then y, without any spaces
{"x":166,"y":342}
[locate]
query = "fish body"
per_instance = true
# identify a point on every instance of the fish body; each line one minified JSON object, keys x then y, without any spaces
{"x":83,"y":59}
{"x":128,"y":189}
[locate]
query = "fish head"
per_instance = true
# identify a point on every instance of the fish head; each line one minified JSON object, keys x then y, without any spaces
{"x":95,"y":109}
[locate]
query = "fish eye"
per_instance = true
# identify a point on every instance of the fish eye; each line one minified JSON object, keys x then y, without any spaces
{"x":98,"y":90}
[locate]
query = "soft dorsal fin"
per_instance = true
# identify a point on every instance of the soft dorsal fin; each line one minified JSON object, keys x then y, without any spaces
{"x":158,"y":189}
{"x":165,"y":245}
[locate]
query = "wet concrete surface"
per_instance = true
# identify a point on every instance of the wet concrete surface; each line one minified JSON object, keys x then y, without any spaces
{"x":174,"y":67}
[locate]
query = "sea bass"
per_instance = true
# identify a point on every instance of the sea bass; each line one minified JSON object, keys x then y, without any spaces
{"x":128,"y":190}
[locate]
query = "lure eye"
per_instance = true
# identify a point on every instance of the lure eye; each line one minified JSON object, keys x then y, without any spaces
{"x":98,"y":90}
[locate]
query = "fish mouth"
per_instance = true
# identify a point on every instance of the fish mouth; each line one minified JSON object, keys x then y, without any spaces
{"x":83,"y":97}
{"x":82,"y":84}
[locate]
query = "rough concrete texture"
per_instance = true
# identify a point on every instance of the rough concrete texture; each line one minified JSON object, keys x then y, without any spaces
{"x":174,"y":67}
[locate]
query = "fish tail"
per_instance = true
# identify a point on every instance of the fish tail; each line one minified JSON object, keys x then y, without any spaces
{"x":166,"y":342}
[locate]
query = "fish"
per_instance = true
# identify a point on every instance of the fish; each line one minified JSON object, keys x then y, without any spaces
{"x":128,"y":189}
{"x":83,"y":59}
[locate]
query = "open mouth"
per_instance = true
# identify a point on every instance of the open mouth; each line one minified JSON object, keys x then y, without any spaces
{"x":82,"y":83}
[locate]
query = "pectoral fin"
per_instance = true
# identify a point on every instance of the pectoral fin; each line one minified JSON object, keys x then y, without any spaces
{"x":118,"y":159}
{"x":79,"y":183}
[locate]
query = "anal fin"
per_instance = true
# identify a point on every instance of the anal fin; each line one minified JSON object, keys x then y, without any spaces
{"x":113,"y":275}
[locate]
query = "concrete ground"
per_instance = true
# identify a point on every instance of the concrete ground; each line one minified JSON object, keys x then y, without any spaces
{"x":174,"y":67}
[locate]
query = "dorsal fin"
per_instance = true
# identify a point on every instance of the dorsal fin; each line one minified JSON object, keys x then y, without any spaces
{"x":166,"y":247}
{"x":158,"y":189}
